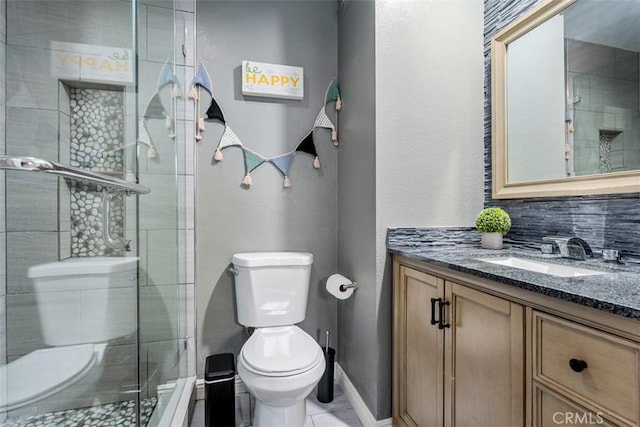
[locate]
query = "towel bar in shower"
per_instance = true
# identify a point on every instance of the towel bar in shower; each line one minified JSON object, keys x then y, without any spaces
{"x":33,"y":164}
{"x":113,"y":186}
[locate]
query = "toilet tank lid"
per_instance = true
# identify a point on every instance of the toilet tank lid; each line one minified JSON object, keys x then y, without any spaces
{"x":83,"y":266}
{"x":266,"y":259}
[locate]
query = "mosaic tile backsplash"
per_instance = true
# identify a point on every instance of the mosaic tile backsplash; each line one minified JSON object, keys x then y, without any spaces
{"x":609,"y":221}
{"x":97,"y":133}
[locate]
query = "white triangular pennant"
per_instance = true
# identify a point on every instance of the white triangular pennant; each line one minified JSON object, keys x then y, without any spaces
{"x":228,"y":139}
{"x":143,"y":135}
{"x":323,"y":121}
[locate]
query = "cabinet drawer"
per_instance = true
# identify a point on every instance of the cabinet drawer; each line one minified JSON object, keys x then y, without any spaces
{"x":608,"y":374}
{"x":551,"y":409}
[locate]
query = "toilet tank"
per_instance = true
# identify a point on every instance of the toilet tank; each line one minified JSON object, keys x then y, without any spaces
{"x":86,"y":299}
{"x":272,"y":287}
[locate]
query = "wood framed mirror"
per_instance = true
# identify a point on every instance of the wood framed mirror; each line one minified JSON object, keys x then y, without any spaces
{"x":565,"y":81}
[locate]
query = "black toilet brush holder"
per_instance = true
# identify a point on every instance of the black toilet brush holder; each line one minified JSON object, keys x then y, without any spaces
{"x":325,"y":386}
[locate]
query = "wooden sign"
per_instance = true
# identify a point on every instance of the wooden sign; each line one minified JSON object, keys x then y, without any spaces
{"x":272,"y":80}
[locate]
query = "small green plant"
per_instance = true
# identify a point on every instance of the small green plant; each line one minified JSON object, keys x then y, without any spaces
{"x":493,"y":220}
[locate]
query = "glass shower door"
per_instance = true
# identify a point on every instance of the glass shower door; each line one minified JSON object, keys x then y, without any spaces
{"x":90,"y":322}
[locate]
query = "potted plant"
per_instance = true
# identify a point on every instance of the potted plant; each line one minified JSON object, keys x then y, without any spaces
{"x":493,"y":223}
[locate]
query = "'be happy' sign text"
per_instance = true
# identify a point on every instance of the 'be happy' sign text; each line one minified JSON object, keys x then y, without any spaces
{"x":272,"y":80}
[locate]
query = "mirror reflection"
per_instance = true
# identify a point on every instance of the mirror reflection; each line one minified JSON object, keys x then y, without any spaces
{"x":572,"y":93}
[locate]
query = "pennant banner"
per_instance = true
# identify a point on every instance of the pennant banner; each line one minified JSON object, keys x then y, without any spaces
{"x":253,"y":160}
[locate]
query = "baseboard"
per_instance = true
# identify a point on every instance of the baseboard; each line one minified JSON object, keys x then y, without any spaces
{"x":351,"y":393}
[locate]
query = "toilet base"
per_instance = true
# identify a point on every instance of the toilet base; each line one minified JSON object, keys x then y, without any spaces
{"x":280,"y":416}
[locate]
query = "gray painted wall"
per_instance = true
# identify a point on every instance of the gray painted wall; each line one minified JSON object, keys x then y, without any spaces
{"x":358,"y":345}
{"x":604,"y":221}
{"x":266,"y":217}
{"x":419,"y":139}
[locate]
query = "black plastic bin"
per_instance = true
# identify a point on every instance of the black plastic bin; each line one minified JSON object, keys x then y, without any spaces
{"x":219,"y":391}
{"x":325,"y":386}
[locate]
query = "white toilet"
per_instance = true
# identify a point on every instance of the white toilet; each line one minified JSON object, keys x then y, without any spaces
{"x":82,"y":303}
{"x":280,"y":364}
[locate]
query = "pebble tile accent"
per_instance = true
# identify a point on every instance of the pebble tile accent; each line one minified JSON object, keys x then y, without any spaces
{"x":605,"y":152}
{"x":97,"y":128}
{"x":605,"y":222}
{"x":86,"y":221}
{"x":119,"y":414}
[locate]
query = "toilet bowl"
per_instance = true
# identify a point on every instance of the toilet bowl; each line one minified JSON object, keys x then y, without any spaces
{"x":280,"y":367}
{"x":280,"y":364}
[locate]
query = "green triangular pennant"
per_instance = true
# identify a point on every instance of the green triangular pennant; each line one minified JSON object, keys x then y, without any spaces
{"x":333,"y":94}
{"x":251,"y":160}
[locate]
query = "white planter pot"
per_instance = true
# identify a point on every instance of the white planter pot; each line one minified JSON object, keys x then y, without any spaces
{"x":491,"y":241}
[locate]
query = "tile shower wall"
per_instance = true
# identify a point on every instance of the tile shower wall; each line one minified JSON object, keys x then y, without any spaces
{"x":604,"y":87}
{"x":609,"y":221}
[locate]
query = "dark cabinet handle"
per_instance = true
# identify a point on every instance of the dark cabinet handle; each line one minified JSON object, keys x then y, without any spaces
{"x":433,"y":309}
{"x":441,"y":305}
{"x":577,"y":365}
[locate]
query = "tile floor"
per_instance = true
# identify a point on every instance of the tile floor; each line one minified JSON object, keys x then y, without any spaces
{"x":337,"y":413}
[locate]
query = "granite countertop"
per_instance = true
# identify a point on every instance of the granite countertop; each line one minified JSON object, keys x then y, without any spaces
{"x":617,"y":292}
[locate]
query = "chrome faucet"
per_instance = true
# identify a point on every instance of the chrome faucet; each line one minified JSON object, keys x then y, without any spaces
{"x":571,"y":247}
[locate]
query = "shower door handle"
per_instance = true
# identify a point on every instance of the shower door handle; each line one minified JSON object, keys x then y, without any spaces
{"x":116,"y":244}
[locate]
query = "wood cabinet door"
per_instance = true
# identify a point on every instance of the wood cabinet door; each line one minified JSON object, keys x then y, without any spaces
{"x":418,"y":350}
{"x":484,"y":360}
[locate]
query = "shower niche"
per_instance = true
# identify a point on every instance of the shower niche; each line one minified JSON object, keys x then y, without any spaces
{"x":93,"y":131}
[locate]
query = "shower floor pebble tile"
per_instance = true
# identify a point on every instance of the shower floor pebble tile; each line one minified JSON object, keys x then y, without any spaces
{"x":120,"y":414}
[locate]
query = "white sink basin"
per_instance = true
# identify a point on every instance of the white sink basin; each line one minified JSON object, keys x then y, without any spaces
{"x":542,"y":267}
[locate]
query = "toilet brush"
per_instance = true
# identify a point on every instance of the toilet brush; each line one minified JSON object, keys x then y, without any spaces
{"x":325,"y":386}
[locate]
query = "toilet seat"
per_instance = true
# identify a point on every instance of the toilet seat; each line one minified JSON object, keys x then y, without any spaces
{"x":280,"y":351}
{"x":44,"y":372}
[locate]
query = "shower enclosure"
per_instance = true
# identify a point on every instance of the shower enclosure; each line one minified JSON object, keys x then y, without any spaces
{"x":94,"y":320}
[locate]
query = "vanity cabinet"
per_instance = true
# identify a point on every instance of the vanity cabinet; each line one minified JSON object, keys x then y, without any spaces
{"x":469,"y":351}
{"x":458,"y":354}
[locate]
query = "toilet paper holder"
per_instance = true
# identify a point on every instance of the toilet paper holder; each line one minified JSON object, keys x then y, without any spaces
{"x":346,"y":286}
